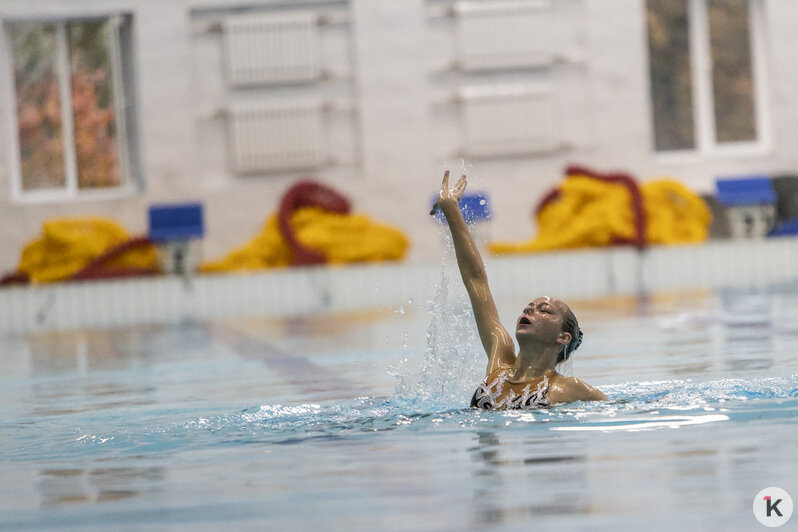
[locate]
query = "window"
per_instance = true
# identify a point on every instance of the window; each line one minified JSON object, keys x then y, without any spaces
{"x":704,"y":68}
{"x":74,"y":120}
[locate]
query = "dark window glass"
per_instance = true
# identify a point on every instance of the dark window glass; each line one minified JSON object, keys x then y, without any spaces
{"x":671,"y":83}
{"x":732,"y":77}
{"x":39,"y":114}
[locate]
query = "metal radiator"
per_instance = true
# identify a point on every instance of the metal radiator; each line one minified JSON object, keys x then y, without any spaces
{"x":501,"y":35}
{"x":271,"y":48}
{"x":275,"y":136}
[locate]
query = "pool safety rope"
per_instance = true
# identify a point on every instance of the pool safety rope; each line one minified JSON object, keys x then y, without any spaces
{"x":314,"y":225}
{"x":591,"y":209}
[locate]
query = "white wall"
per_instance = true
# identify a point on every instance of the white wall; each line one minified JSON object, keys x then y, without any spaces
{"x":165,"y":120}
{"x":395,"y":127}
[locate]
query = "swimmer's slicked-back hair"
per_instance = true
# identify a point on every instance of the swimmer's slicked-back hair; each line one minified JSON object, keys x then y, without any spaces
{"x":570,"y":325}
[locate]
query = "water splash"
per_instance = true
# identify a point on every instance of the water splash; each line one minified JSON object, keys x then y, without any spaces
{"x":453,"y":359}
{"x":566,"y":367}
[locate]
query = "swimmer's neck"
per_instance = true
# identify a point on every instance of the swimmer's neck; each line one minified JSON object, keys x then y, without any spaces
{"x":534,"y":361}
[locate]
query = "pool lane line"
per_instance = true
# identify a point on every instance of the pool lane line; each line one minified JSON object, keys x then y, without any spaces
{"x":295,"y":369}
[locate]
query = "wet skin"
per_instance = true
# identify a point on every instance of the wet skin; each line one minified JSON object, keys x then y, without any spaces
{"x":541,"y":318}
{"x":538,"y":329}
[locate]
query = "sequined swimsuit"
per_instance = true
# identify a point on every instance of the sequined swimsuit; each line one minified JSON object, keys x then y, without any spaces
{"x":488,"y":395}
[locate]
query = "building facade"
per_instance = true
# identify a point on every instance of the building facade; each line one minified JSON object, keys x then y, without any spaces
{"x":108,"y":107}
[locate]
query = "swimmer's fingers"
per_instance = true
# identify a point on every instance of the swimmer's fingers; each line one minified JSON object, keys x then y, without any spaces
{"x":459,"y":188}
{"x":445,"y":193}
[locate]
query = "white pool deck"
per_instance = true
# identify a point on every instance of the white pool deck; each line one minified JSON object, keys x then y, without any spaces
{"x":579,"y":273}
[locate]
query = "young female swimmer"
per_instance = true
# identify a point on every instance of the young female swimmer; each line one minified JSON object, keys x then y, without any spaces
{"x":547,"y":332}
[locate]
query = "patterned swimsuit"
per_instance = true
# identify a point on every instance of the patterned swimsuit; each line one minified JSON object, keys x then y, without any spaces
{"x":488,"y":395}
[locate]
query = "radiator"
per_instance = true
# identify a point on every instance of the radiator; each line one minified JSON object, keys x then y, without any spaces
{"x":274,"y":137}
{"x":501,"y":35}
{"x":507,"y":122}
{"x":271,"y":48}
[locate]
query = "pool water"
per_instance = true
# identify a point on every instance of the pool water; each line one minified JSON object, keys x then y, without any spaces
{"x":358,"y":421}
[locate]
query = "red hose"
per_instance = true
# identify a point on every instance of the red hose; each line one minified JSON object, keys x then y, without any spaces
{"x":307,"y":194}
{"x":15,"y":277}
{"x":96,"y":269}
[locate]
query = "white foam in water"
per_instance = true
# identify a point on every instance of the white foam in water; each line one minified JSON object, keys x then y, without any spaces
{"x":646,"y":423}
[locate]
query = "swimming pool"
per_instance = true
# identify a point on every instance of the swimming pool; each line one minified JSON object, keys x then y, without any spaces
{"x":356,"y":421}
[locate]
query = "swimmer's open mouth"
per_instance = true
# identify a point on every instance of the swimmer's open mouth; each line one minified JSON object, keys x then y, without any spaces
{"x":524,"y":321}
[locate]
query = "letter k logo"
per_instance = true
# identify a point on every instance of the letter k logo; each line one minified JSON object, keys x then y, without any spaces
{"x":772,"y":506}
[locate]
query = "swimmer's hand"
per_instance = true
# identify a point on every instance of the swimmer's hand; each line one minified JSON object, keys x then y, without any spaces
{"x":454,"y":194}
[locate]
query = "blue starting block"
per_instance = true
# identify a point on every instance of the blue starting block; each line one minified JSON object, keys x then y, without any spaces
{"x":474,"y":206}
{"x":749,"y":204}
{"x":182,"y":221}
{"x":172,"y":228}
{"x":754,"y":190}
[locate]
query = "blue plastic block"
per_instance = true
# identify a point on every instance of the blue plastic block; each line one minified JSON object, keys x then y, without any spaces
{"x":181,"y":221}
{"x":754,"y":190}
{"x":474,"y":206}
{"x":790,"y":227}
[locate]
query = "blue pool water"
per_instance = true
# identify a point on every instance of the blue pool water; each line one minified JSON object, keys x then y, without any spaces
{"x":357,"y":421}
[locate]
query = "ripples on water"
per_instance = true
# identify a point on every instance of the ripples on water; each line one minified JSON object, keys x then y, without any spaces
{"x":629,"y":404}
{"x":631,"y":407}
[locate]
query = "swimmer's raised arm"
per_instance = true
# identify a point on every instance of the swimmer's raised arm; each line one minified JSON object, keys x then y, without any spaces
{"x":497,"y":342}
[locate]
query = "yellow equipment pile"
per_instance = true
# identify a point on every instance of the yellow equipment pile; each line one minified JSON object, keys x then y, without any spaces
{"x":69,"y":244}
{"x":342,"y":238}
{"x":591,"y":212}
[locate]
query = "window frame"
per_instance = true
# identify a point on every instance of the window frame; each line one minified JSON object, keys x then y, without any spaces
{"x":702,"y":91}
{"x":123,"y":105}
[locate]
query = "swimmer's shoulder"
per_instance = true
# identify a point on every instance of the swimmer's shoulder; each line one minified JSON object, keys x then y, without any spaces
{"x":500,"y":370}
{"x":568,"y":389}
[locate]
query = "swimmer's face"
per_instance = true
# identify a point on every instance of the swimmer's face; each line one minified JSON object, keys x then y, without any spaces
{"x":541,"y":319}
